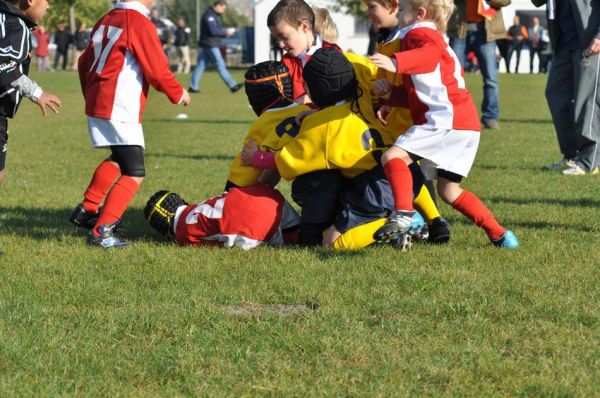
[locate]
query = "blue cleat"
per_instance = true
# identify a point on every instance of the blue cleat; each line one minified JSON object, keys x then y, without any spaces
{"x":108,"y":237}
{"x":508,"y":241}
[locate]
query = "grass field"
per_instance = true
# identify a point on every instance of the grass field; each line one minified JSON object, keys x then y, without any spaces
{"x":464,"y":319}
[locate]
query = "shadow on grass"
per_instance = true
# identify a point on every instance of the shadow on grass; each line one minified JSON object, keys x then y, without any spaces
{"x":193,"y":157}
{"x":53,"y":224}
{"x":509,"y":167}
{"x":582,"y":202}
{"x":542,"y":225}
{"x":528,"y":121}
{"x":196,"y":121}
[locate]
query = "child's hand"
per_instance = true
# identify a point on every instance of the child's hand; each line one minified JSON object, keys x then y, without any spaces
{"x":185,"y":98}
{"x":382,"y":88}
{"x":382,"y":114}
{"x":384,"y":62}
{"x":300,"y":117}
{"x":248,"y":152}
{"x":48,"y":100}
{"x":269,"y":177}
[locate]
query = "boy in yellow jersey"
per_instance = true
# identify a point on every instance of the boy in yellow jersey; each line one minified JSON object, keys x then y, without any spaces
{"x":383,"y":14}
{"x":334,"y":146}
{"x":269,"y":89}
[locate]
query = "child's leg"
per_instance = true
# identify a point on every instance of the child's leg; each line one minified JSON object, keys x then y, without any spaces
{"x":426,"y":206}
{"x":131,"y":163}
{"x":1,"y":176}
{"x":104,"y":177}
{"x":331,"y":236}
{"x":395,"y":165}
{"x":358,"y":237}
{"x":470,"y":205}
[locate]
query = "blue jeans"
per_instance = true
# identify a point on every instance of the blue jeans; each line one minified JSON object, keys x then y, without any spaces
{"x":208,"y":55}
{"x":486,"y":56}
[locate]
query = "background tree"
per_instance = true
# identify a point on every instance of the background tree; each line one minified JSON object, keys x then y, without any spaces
{"x":75,"y":11}
{"x":352,"y":7}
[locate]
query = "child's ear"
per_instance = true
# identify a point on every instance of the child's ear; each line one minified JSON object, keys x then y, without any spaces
{"x":421,"y":13}
{"x":304,"y":26}
{"x":394,"y":7}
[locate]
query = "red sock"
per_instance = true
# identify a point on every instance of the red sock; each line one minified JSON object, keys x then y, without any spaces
{"x":103,"y":178}
{"x":401,"y":182}
{"x":470,"y":205}
{"x":116,"y":202}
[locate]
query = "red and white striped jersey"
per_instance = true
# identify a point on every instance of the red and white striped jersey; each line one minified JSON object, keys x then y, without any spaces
{"x":243,"y":217}
{"x":434,"y":84}
{"x":123,"y":58}
{"x":295,"y":65}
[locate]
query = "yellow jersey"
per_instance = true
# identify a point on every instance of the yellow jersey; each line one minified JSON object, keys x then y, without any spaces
{"x":273,"y":129}
{"x":334,"y":138}
{"x":399,"y":119}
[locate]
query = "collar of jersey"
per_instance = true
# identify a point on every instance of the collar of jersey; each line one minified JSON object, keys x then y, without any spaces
{"x":134,"y":5}
{"x":318,"y":44}
{"x":404,"y":31}
{"x":293,"y":104}
{"x":393,"y":35}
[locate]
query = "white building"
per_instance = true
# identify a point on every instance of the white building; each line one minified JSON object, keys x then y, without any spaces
{"x":353,"y":32}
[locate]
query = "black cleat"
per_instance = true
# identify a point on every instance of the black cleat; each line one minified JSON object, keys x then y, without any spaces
{"x":81,"y":218}
{"x":193,"y":91}
{"x":439,"y":231}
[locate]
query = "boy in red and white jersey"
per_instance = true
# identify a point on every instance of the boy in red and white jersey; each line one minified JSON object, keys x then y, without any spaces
{"x":123,"y":59}
{"x":446,"y":130}
{"x":241,"y":217}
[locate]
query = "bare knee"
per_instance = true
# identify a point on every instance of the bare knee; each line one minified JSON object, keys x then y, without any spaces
{"x":449,"y":191}
{"x":395,"y":153}
{"x":1,"y":176}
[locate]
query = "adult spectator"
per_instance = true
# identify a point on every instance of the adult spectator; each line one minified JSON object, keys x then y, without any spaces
{"x":572,"y":86}
{"x":535,"y":43}
{"x":161,"y":28}
{"x":517,"y":36}
{"x":182,"y":46}
{"x":474,"y":28}
{"x":41,"y":51}
{"x":81,"y":39}
{"x":62,"y":39}
{"x":211,"y":33}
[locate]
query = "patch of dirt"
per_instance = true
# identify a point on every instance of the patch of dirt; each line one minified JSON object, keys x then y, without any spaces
{"x":249,"y":308}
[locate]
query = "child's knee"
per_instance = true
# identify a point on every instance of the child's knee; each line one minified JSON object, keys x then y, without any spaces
{"x":448,"y":190}
{"x":395,"y":153}
{"x":1,"y":176}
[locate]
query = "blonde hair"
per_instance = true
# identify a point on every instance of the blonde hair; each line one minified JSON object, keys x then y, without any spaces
{"x":325,"y":26}
{"x":438,"y":11}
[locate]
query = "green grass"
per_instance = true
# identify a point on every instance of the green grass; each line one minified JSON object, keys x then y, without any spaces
{"x":463,"y":319}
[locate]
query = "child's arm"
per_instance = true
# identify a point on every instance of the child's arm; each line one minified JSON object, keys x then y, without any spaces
{"x":10,"y":72}
{"x":146,"y":48}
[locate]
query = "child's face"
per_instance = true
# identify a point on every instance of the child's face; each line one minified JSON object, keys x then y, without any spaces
{"x":381,"y":16}
{"x":407,"y":15}
{"x":294,"y":40}
{"x":36,"y":9}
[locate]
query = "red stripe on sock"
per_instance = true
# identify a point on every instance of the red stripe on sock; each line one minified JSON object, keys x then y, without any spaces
{"x":103,"y":178}
{"x":116,"y":202}
{"x":470,"y":205}
{"x":401,"y":182}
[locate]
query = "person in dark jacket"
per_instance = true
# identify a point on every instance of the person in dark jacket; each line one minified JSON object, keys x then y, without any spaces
{"x":81,"y":39}
{"x":182,"y":45}
{"x":211,"y":33}
{"x":15,"y":58}
{"x":62,"y":39}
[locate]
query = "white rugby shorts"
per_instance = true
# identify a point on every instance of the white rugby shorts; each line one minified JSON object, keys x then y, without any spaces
{"x":105,"y":132}
{"x":451,"y":150}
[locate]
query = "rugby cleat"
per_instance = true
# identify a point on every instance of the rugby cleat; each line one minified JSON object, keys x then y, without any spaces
{"x":400,"y":222}
{"x":439,"y":231}
{"x":108,"y":237}
{"x":508,"y":241}
{"x":402,"y":242}
{"x":83,"y":219}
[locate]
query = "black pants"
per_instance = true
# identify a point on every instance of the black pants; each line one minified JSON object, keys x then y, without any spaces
{"x":3,"y":141}
{"x":65,"y":58}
